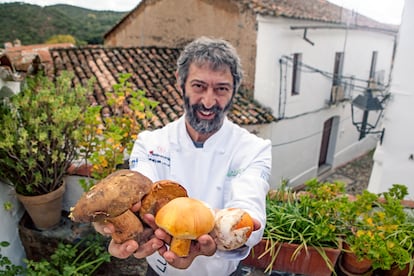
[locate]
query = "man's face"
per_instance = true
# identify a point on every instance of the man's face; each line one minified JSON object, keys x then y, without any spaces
{"x":207,"y":97}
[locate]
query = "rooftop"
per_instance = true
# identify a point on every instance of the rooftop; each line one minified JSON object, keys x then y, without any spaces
{"x":152,"y":70}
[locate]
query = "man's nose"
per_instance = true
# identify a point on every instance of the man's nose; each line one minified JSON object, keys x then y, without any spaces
{"x":209,"y":98}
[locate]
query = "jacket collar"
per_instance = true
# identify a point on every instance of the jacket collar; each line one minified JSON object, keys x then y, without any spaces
{"x":180,"y":138}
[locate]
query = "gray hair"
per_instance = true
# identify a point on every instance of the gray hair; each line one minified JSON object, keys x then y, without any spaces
{"x":216,"y":52}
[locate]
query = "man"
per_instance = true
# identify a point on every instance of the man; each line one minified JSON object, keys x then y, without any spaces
{"x":215,"y":160}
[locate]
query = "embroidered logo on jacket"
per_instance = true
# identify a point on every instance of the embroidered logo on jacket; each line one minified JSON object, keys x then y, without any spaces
{"x":234,"y":172}
{"x":159,"y":158}
{"x":151,"y":156}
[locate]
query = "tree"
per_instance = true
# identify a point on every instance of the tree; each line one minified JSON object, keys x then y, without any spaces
{"x":61,"y":38}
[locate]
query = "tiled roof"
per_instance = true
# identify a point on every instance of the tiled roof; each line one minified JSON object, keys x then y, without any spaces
{"x":21,"y":57}
{"x":152,"y":70}
{"x":317,"y":10}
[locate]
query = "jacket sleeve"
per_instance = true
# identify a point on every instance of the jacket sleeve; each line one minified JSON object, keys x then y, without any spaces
{"x":139,"y":158}
{"x":250,"y":187}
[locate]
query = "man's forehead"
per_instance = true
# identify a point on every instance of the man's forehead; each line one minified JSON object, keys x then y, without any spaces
{"x":219,"y":67}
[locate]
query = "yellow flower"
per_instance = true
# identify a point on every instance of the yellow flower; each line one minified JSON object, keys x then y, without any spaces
{"x":369,"y":221}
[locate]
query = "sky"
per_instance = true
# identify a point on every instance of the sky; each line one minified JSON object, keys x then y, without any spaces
{"x":385,"y":11}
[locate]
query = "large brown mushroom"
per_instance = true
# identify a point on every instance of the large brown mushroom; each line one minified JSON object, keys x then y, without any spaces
{"x":162,"y":192}
{"x":185,"y":219}
{"x":112,"y":197}
{"x":110,"y":200}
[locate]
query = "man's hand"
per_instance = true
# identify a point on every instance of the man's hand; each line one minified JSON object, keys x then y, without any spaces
{"x":126,"y":249}
{"x":204,"y":245}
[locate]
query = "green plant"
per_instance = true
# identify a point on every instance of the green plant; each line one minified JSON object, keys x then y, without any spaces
{"x":7,"y":268}
{"x":381,"y":230}
{"x":376,"y":227}
{"x":107,"y":139}
{"x":308,"y":219}
{"x":7,"y":206}
{"x":83,"y":258}
{"x":39,"y":132}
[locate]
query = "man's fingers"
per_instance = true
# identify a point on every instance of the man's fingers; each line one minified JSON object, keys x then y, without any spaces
{"x":148,"y":248}
{"x":136,"y":207}
{"x":122,"y":250}
{"x":103,"y":228}
{"x":206,"y":245}
{"x":150,"y":220}
{"x":162,"y":235}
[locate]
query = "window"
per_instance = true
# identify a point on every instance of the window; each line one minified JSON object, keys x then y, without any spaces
{"x":297,"y":61}
{"x":372,"y":71}
{"x":338,"y":68}
{"x":337,"y":92}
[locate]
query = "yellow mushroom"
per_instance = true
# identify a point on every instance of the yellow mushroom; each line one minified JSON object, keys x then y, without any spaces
{"x":185,"y":219}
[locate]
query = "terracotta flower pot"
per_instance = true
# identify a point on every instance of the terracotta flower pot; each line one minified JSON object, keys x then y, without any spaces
{"x":396,"y":271}
{"x":44,"y":210}
{"x":308,"y":262}
{"x":350,"y":265}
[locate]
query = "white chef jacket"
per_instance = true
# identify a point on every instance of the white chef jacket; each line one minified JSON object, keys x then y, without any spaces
{"x":230,"y":170}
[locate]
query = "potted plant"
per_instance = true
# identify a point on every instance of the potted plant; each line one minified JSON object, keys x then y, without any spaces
{"x":380,"y":229}
{"x":301,"y":233}
{"x":39,"y":132}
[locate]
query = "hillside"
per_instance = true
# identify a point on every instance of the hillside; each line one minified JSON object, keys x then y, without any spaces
{"x":34,"y":24}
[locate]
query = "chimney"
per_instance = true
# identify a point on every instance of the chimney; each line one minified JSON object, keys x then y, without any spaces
{"x":17,"y":43}
{"x":8,"y":45}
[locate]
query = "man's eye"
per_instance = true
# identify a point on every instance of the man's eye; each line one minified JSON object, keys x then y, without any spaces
{"x":222,"y":89}
{"x":197,"y":87}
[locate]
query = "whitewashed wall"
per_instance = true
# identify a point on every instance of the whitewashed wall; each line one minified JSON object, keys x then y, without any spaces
{"x":8,"y":88}
{"x":9,"y":225}
{"x":297,"y":137}
{"x":394,"y":159}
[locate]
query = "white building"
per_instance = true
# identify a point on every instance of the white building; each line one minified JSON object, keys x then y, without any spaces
{"x":394,"y":158}
{"x":296,"y":65}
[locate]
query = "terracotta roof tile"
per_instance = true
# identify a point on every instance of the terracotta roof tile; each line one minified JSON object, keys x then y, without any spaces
{"x":22,"y":56}
{"x":317,"y":10}
{"x":152,"y":70}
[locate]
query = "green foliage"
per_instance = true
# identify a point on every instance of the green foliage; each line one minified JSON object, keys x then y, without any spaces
{"x":7,"y":206}
{"x":381,"y":230}
{"x":7,"y":268}
{"x":82,"y":258}
{"x":307,"y":219}
{"x":39,"y":132}
{"x":107,"y":139}
{"x":60,"y":38}
{"x":376,"y":227}
{"x":33,"y":24}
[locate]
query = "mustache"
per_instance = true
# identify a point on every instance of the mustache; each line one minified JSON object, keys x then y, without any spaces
{"x":200,"y":107}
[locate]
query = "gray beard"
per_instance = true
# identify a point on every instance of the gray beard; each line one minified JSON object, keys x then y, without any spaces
{"x":204,"y":126}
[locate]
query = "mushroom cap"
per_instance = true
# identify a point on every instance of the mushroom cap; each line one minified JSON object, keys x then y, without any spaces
{"x":185,"y":218}
{"x":111,"y":196}
{"x":161,"y":193}
{"x":232,"y":228}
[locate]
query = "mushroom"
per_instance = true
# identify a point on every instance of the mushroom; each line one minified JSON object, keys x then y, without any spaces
{"x":185,"y":219}
{"x":232,"y":228}
{"x":161,"y":193}
{"x":110,"y":200}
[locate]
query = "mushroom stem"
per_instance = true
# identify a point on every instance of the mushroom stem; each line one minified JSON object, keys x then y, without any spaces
{"x":180,"y":247}
{"x":127,"y":227}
